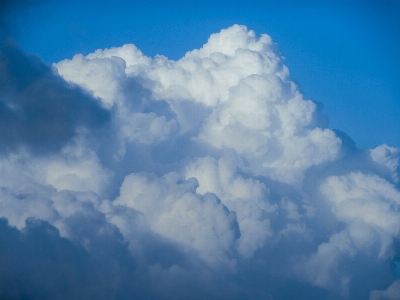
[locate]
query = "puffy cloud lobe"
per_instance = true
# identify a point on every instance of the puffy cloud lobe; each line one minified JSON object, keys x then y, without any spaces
{"x":365,"y":198}
{"x":270,"y":134}
{"x":214,"y":176}
{"x":75,"y":167}
{"x":176,"y":211}
{"x":247,"y":197}
{"x":387,"y":157}
{"x":369,"y":206}
{"x":137,"y":117}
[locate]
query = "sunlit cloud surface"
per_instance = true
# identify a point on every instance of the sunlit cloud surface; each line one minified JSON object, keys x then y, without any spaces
{"x":210,"y":177}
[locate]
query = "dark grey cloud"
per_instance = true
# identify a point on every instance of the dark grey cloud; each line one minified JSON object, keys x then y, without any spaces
{"x":38,"y":264}
{"x":38,"y":109}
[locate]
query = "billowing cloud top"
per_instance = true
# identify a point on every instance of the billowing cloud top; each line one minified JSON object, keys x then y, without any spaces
{"x":210,"y":177}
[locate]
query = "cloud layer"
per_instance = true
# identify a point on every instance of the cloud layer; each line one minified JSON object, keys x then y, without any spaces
{"x":209,"y":177}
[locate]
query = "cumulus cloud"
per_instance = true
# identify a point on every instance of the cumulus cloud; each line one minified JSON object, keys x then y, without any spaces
{"x":209,"y":177}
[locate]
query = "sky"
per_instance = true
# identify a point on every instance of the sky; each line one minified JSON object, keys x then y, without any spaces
{"x":343,"y":54}
{"x":199,"y":151}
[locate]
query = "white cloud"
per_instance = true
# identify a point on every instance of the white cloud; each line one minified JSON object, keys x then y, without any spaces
{"x":391,"y":293}
{"x":174,"y":210}
{"x":247,"y":197}
{"x":210,"y":163}
{"x":365,"y":199}
{"x":256,"y":110}
{"x":370,"y":208}
{"x":389,"y":158}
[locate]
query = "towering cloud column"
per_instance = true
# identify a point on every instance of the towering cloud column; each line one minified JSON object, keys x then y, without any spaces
{"x":211,"y":174}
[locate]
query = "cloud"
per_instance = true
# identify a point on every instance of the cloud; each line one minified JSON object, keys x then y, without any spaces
{"x":211,"y":176}
{"x":392,"y":292}
{"x":38,"y":109}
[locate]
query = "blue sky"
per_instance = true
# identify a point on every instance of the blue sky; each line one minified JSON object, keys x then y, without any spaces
{"x":343,"y":54}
